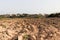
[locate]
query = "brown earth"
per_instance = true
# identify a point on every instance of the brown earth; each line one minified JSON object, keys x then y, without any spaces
{"x":30,"y":29}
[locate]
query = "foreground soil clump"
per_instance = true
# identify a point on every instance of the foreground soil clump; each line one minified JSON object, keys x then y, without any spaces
{"x":30,"y":29}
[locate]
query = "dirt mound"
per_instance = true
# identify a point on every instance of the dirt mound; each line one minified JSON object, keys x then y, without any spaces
{"x":30,"y":29}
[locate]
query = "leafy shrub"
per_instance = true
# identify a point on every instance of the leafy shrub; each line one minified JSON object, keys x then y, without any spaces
{"x":26,"y":37}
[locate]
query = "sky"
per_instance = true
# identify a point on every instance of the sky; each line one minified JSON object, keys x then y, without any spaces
{"x":29,"y":6}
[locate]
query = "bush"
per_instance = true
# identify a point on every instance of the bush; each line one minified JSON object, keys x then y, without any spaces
{"x":54,"y":15}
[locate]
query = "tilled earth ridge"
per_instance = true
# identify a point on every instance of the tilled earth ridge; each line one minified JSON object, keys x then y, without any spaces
{"x":36,"y":29}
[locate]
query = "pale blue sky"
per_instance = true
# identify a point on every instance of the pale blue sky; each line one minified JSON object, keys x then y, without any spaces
{"x":29,"y":6}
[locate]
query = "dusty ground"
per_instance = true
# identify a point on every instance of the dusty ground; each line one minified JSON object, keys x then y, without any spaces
{"x":30,"y":29}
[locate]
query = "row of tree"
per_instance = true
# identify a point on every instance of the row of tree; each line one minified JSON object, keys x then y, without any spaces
{"x":29,"y":15}
{"x":21,"y":15}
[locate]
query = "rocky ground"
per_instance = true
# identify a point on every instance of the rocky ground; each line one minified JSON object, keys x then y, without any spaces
{"x":30,"y":29}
